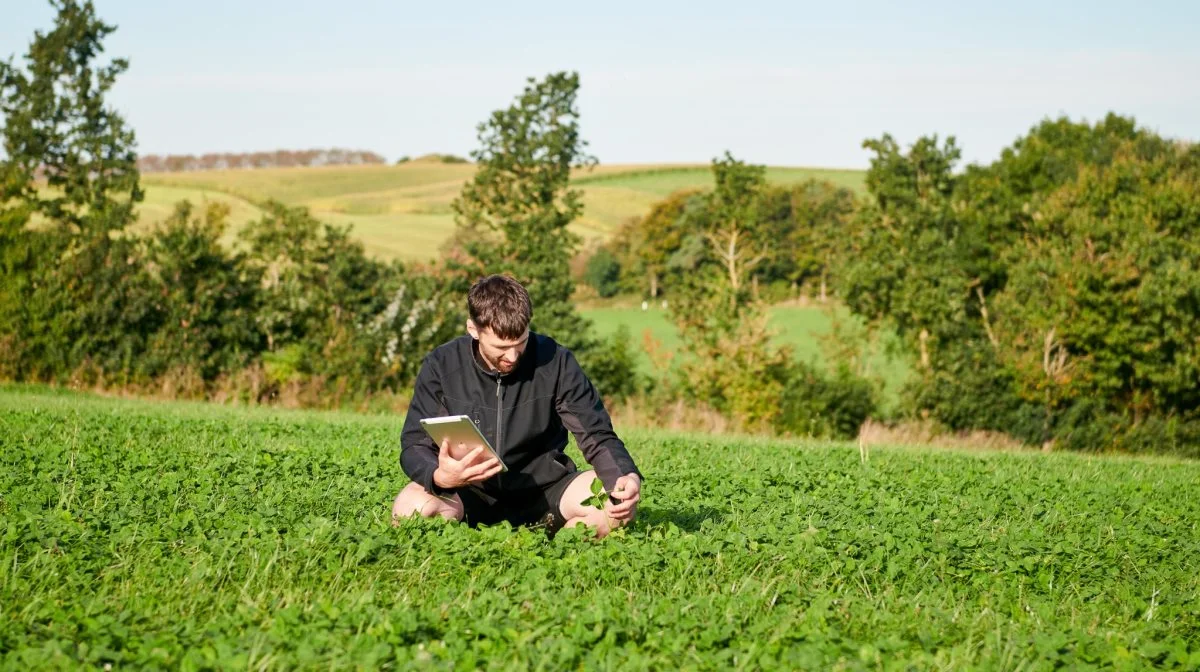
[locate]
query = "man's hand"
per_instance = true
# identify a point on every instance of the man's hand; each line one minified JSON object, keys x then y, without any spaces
{"x":627,"y":491}
{"x":474,"y":467}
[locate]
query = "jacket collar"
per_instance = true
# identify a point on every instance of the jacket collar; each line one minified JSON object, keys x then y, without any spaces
{"x":482,"y":367}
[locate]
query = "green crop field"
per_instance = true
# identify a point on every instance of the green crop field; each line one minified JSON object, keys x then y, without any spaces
{"x":404,"y":211}
{"x":804,"y":328}
{"x":186,"y":536}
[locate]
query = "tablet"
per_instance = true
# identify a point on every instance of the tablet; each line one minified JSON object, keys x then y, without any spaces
{"x":459,"y":429}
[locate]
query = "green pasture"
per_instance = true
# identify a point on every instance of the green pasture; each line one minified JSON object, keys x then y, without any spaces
{"x":808,"y":330}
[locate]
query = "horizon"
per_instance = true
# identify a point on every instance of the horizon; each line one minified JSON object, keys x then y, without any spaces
{"x":774,"y":83}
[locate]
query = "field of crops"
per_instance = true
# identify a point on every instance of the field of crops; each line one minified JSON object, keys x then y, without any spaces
{"x":404,"y":211}
{"x":186,"y":536}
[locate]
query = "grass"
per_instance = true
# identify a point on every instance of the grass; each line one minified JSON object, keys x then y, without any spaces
{"x":804,"y":328}
{"x":171,"y":535}
{"x":404,"y":211}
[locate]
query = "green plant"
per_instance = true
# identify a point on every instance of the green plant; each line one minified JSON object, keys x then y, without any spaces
{"x":272,"y":531}
{"x":598,"y":498}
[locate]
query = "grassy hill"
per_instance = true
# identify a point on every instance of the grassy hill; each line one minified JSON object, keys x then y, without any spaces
{"x":164,"y":535}
{"x":403,"y":211}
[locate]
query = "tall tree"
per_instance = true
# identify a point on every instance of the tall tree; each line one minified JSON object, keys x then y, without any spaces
{"x":729,"y":362}
{"x":73,"y":297}
{"x":57,"y":126}
{"x":735,"y":205}
{"x":645,"y":244}
{"x":514,"y":215}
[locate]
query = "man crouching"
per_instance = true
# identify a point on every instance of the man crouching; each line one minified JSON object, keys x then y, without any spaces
{"x":523,"y":391}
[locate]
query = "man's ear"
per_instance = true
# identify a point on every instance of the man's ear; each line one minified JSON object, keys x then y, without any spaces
{"x":472,"y":329}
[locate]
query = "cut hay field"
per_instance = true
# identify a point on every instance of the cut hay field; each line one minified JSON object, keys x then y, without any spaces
{"x":156,"y":535}
{"x":403,"y":211}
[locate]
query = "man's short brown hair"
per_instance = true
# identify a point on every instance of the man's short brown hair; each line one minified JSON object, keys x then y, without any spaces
{"x":500,"y":302}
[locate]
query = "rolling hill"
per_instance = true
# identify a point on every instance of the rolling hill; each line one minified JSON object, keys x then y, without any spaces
{"x":403,"y":211}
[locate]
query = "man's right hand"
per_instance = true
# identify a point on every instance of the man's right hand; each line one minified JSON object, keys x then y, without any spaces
{"x":474,"y":467}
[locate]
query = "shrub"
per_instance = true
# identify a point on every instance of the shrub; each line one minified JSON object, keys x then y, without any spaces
{"x":603,"y":273}
{"x":611,"y":365}
{"x":817,"y":405}
{"x":205,"y":301}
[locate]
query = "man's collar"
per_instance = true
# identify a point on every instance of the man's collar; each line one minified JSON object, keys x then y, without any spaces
{"x":478,"y":357}
{"x":483,"y":365}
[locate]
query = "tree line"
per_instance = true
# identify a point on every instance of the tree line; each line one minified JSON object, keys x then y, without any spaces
{"x":1053,"y":294}
{"x":280,"y":158}
{"x":295,"y":307}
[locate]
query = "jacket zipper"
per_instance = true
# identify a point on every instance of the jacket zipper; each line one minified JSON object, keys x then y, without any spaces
{"x":499,"y":415}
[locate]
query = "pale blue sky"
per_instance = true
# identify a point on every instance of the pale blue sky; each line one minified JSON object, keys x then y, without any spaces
{"x":784,"y":83}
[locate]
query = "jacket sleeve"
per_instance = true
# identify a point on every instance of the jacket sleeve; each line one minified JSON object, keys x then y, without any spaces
{"x":582,"y":412}
{"x":418,"y":455}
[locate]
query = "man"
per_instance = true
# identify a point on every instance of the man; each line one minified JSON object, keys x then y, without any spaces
{"x":524,"y":391}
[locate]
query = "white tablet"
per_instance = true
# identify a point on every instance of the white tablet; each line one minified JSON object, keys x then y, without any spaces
{"x":459,"y":429}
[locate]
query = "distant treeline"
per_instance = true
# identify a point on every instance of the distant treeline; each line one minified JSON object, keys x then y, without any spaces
{"x":280,"y":158}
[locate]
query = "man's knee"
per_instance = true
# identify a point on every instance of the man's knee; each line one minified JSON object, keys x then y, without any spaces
{"x":414,"y":499}
{"x":600,"y":522}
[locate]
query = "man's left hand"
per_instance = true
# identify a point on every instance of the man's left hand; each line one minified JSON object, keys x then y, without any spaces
{"x":627,"y":491}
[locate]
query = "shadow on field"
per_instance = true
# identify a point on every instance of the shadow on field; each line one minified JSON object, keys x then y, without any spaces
{"x":685,"y":519}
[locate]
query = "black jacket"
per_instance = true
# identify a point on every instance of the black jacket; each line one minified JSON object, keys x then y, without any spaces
{"x":525,"y":415}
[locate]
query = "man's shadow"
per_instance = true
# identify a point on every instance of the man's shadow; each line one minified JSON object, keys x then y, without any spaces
{"x":688,"y":520}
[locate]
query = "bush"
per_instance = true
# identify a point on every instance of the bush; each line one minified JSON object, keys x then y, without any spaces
{"x":611,"y":365}
{"x":603,"y":273}
{"x":205,"y":301}
{"x":823,"y":406}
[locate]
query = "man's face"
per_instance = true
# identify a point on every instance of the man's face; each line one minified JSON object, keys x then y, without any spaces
{"x":500,"y":354}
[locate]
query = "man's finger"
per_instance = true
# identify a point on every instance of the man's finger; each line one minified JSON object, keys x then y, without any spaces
{"x":470,"y":457}
{"x":490,"y":472}
{"x":482,"y":467}
{"x":625,"y":494}
{"x":444,"y":451}
{"x":622,"y":508}
{"x":623,"y":515}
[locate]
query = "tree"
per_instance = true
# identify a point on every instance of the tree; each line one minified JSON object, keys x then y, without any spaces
{"x":602,"y":272}
{"x":513,"y":216}
{"x":734,"y":207}
{"x":58,"y":127}
{"x":204,"y":300}
{"x":728,"y":362}
{"x":644,"y":245}
{"x":313,"y":276}
{"x":75,"y":297}
{"x":821,"y":214}
{"x":1051,"y":294}
{"x":903,"y":261}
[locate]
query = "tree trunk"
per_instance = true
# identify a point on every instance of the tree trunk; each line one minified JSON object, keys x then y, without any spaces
{"x":654,"y":284}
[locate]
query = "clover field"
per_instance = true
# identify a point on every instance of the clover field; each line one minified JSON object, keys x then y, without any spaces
{"x":189,"y":536}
